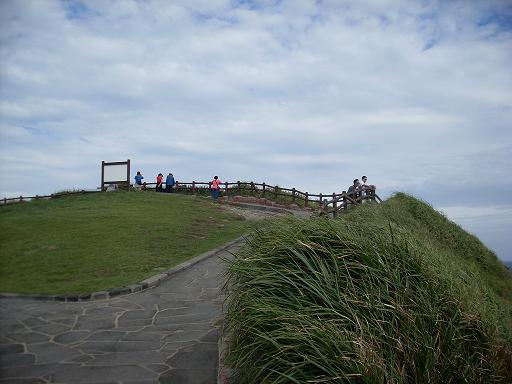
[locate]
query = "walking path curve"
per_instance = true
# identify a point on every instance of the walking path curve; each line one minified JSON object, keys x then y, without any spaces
{"x":168,"y":334}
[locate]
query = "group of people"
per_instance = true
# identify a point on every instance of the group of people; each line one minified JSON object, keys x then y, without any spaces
{"x":169,"y":183}
{"x":357,"y":189}
{"x":360,"y":188}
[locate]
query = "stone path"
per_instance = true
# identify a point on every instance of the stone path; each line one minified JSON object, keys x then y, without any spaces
{"x":168,"y":334}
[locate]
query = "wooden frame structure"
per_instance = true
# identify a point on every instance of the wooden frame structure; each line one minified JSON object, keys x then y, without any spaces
{"x":106,"y":164}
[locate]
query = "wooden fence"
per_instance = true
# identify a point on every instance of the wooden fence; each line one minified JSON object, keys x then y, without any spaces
{"x":327,"y":204}
{"x":22,"y":199}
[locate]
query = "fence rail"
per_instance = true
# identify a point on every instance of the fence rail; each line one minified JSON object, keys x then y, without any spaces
{"x":21,"y":199}
{"x":327,"y":204}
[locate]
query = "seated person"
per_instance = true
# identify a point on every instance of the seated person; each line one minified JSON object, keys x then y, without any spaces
{"x":138,"y":181}
{"x":353,"y":190}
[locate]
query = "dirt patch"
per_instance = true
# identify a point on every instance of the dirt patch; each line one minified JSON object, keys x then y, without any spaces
{"x":252,"y":214}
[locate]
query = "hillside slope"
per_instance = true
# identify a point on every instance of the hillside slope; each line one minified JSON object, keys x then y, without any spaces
{"x":93,"y":242}
{"x":386,"y":293}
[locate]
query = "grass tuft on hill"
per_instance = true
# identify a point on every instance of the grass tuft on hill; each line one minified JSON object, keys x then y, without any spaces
{"x":87,"y":243}
{"x":389,"y":293}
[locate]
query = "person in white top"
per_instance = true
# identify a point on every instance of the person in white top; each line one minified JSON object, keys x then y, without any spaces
{"x":366,"y":189}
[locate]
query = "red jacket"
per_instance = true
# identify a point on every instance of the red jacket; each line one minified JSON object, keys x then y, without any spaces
{"x":216,"y":184}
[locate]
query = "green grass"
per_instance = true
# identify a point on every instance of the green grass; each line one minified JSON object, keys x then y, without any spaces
{"x":389,"y":293}
{"x":87,"y":243}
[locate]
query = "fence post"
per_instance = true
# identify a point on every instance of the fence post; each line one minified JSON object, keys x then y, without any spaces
{"x":263,"y":193}
{"x":128,"y":174}
{"x":102,"y":175}
{"x":306,"y":202}
{"x":239,"y":188}
{"x":193,"y":187}
{"x":334,"y":205}
{"x":226,"y":188}
{"x":293,"y":194}
{"x":344,"y":200}
{"x":275,"y":192}
{"x":252,"y":188}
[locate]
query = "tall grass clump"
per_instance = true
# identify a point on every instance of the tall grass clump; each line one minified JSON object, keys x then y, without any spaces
{"x":388,"y":293}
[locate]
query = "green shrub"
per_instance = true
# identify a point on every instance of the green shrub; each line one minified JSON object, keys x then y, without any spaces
{"x":390,"y":293}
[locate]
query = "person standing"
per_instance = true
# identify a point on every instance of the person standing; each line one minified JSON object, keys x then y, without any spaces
{"x":169,"y":183}
{"x":138,"y":181}
{"x":159,"y":182}
{"x":215,"y":187}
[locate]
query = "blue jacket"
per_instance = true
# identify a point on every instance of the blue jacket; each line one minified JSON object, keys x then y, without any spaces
{"x":138,"y":179}
{"x":170,"y":180}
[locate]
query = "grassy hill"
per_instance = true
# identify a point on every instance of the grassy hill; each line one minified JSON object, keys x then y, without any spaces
{"x":87,"y":243}
{"x":389,"y":293}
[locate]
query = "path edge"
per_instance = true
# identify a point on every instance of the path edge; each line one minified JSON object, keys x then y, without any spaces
{"x":150,"y":282}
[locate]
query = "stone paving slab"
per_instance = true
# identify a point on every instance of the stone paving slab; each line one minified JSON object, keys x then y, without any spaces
{"x":167,"y":334}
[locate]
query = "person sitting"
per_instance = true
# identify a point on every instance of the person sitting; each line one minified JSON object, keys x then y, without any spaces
{"x":366,"y":189}
{"x":138,"y":181}
{"x":353,"y":190}
{"x":159,"y":182}
{"x":169,"y":183}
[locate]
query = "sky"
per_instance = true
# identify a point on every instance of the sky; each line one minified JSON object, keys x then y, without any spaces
{"x":417,"y":95}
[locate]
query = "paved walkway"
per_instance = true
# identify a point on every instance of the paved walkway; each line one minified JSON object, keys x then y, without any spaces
{"x":168,"y":334}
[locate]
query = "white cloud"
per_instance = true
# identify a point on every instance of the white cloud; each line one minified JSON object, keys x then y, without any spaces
{"x":296,"y":93}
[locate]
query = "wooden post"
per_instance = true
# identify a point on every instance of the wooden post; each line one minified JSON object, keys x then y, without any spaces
{"x":275,"y":192}
{"x":226,"y":188}
{"x":176,"y":186}
{"x":263,"y":193}
{"x":128,"y":174}
{"x":252,"y":188}
{"x":344,"y":200}
{"x":306,"y":201}
{"x":334,"y":205}
{"x":193,"y":187}
{"x":239,"y":187}
{"x":102,"y":175}
{"x":320,"y":199}
{"x":293,"y":194}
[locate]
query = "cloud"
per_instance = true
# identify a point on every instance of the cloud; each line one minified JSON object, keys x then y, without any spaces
{"x":417,"y":95}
